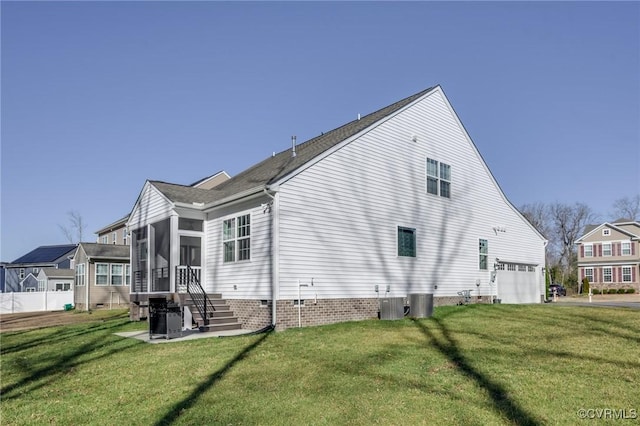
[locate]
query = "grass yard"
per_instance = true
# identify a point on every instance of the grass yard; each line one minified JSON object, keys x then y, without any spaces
{"x":470,"y":365}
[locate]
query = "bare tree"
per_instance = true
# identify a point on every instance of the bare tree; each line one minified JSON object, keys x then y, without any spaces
{"x":74,"y":231}
{"x":538,"y":215}
{"x":627,"y":208}
{"x":568,"y":223}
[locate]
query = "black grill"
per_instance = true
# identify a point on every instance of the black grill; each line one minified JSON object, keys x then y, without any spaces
{"x":165,"y":318}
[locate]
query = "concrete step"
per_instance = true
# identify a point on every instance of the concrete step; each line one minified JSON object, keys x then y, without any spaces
{"x":220,"y":327}
{"x":228,"y":318}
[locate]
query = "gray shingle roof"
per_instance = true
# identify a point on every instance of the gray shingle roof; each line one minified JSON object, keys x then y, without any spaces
{"x":281,"y":164}
{"x":58,"y":273}
{"x":112,"y":251}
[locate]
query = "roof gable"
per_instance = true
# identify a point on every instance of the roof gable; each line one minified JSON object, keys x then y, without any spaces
{"x":111,"y":251}
{"x":46,"y":254}
{"x":591,"y":230}
{"x":282,"y":164}
{"x":120,"y":223}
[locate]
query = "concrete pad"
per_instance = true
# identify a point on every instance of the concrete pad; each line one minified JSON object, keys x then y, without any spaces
{"x":143,"y":335}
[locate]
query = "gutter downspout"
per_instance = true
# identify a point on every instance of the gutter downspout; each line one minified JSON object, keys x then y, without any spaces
{"x":87,"y":283}
{"x":274,"y":258}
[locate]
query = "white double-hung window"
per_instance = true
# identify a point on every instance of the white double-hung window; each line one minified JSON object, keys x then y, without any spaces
{"x":236,"y":238}
{"x":438,"y":178}
{"x":102,"y":273}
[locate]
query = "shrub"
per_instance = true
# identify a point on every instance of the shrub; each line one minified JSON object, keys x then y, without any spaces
{"x":612,"y":291}
{"x":585,"y":285}
{"x":630,"y":290}
{"x":596,"y":291}
{"x":622,"y":291}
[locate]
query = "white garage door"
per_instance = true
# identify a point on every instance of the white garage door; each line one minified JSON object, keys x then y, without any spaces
{"x":517,"y":283}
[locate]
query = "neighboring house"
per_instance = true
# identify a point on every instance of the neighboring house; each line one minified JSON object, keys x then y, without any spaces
{"x":52,"y":279}
{"x":22,"y":273}
{"x":394,"y":203}
{"x":609,"y":255}
{"x":211,"y":181}
{"x":102,"y":276}
{"x":115,"y":233}
{"x":2,"y":275}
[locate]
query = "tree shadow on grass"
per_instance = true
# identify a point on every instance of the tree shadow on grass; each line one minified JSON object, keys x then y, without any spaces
{"x":502,"y":403}
{"x":56,"y":364}
{"x":59,"y":334}
{"x":174,"y":413}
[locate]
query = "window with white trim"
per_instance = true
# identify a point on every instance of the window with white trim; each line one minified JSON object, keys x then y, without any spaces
{"x":114,"y":236}
{"x":626,"y":274}
{"x":80,"y":274}
{"x":607,"y":277}
{"x":127,"y":274}
{"x":606,"y":232}
{"x":511,"y":266}
{"x":588,"y":274}
{"x":588,"y":250}
{"x":606,"y":249}
{"x":35,"y":271}
{"x":102,"y":273}
{"x":21,"y":274}
{"x":484,"y":255}
{"x":406,"y":242}
{"x":236,"y":238}
{"x":117,"y":272}
{"x":63,"y":286}
{"x":41,"y":285}
{"x":104,"y":239}
{"x":625,"y":248}
{"x":438,"y":178}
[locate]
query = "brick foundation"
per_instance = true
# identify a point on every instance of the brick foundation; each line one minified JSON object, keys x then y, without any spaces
{"x":255,"y":314}
{"x":324,"y":311}
{"x":252,"y":314}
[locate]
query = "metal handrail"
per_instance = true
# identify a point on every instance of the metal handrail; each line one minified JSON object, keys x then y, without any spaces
{"x":198,"y":295}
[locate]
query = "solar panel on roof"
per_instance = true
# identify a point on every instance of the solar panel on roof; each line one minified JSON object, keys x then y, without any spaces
{"x":45,"y":254}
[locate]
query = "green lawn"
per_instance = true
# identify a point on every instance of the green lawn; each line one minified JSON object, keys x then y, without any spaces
{"x":471,"y":365}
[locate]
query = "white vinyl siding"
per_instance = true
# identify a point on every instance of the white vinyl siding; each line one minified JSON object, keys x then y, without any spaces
{"x":151,"y":207}
{"x":247,"y":279}
{"x":363,"y":186}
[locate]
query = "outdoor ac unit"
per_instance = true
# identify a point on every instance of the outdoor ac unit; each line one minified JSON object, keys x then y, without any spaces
{"x":420,"y":305}
{"x":391,"y":308}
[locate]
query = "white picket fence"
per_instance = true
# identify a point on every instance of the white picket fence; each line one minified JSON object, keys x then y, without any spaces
{"x":39,"y":301}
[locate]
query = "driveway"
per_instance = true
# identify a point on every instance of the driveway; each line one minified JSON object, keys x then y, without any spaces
{"x":603,"y":300}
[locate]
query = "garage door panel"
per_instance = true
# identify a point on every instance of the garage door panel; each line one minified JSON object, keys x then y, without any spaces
{"x":518,"y":287}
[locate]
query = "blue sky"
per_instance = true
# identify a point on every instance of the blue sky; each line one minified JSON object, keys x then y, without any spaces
{"x":98,"y":97}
